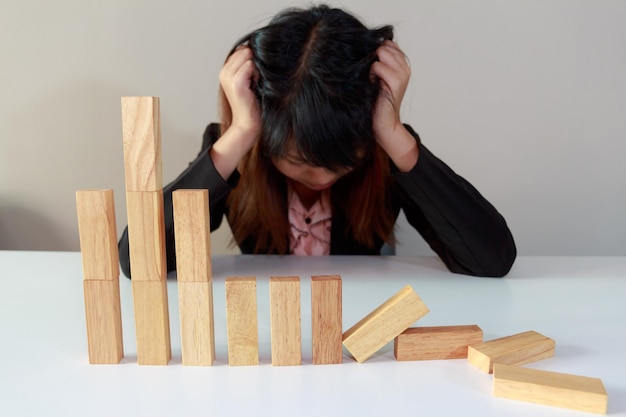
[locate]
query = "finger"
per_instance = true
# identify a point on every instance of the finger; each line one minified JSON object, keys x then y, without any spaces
{"x":393,"y":47}
{"x":388,"y":75}
{"x":390,"y":54}
{"x":381,"y":71}
{"x":246,"y":74}
{"x":238,"y":58}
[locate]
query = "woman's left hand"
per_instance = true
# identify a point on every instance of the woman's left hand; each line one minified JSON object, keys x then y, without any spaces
{"x":393,"y":71}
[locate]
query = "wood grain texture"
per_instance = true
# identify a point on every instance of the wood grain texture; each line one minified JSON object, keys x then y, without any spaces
{"x":104,"y":321}
{"x":517,"y":349}
{"x":141,"y":133}
{"x":146,"y":235}
{"x":192,"y":230}
{"x":241,"y":321}
{"x":197,"y":332}
{"x":285,"y":324}
{"x":550,"y":388}
{"x":326,"y":319}
{"x":432,"y":343}
{"x":384,"y":323}
{"x":152,"y":325}
{"x":97,"y":232}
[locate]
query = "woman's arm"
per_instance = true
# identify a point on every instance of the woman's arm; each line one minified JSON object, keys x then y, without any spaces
{"x":459,"y":224}
{"x":219,"y":158}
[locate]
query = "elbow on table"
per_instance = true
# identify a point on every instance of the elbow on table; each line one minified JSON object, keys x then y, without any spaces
{"x":493,"y":262}
{"x":501,"y":260}
{"x":500,"y":269}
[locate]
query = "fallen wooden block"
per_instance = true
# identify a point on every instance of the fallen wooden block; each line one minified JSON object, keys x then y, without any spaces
{"x":550,"y":388}
{"x":514,"y":350}
{"x":430,"y":343}
{"x":384,"y":323}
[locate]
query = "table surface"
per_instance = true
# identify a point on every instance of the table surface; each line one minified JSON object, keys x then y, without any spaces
{"x":577,"y":301}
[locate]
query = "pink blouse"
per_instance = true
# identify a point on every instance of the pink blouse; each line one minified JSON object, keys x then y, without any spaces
{"x":309,"y":228}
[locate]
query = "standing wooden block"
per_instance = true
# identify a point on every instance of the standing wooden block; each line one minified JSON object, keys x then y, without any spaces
{"x":550,"y":388}
{"x":241,"y":321}
{"x":152,"y":322}
{"x":146,"y":227}
{"x":193,"y":268}
{"x":98,"y":244}
{"x":430,"y":343}
{"x":514,"y":350}
{"x":383,"y":324}
{"x":141,"y":132}
{"x":104,"y":321}
{"x":196,"y":323}
{"x":98,"y":234}
{"x":285,"y":321}
{"x":326,"y":319}
{"x":192,"y":228}
{"x":146,"y":235}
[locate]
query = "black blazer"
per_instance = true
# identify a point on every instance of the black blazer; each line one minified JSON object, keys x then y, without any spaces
{"x":459,"y":224}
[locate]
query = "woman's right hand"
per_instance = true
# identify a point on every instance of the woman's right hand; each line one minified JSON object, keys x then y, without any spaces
{"x":236,"y":79}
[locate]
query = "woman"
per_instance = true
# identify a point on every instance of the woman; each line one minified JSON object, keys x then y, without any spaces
{"x":311,"y":156}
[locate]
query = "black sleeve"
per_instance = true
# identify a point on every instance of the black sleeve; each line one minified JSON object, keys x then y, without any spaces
{"x":459,"y":224}
{"x":200,"y":174}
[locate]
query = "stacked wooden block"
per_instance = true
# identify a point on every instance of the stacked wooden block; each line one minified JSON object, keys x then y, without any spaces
{"x":101,"y":271}
{"x":193,"y":266}
{"x":146,"y":227}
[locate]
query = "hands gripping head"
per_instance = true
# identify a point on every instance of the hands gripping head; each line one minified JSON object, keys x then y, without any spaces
{"x":314,"y":86}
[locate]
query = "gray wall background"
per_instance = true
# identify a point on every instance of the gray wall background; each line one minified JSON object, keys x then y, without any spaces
{"x":525,"y":99}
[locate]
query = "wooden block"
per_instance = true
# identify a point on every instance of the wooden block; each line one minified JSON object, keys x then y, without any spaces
{"x":241,"y":321}
{"x":430,"y":343}
{"x":383,"y":324}
{"x":326,"y":320}
{"x":104,"y":321}
{"x":141,"y":132}
{"x":285,"y":321}
{"x":193,"y":235}
{"x":152,"y":323}
{"x":550,"y":388}
{"x":146,"y":236}
{"x":517,"y":349}
{"x":98,"y":234}
{"x":196,"y":323}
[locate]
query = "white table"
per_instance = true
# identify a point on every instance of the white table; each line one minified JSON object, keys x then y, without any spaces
{"x":579,"y":302}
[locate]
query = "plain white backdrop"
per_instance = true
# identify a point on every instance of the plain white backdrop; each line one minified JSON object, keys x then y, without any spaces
{"x":525,"y":99}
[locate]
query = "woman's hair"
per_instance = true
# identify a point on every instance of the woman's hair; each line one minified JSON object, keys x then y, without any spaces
{"x":316,"y":97}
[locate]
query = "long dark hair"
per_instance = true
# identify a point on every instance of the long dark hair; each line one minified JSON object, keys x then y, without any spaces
{"x":316,"y":96}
